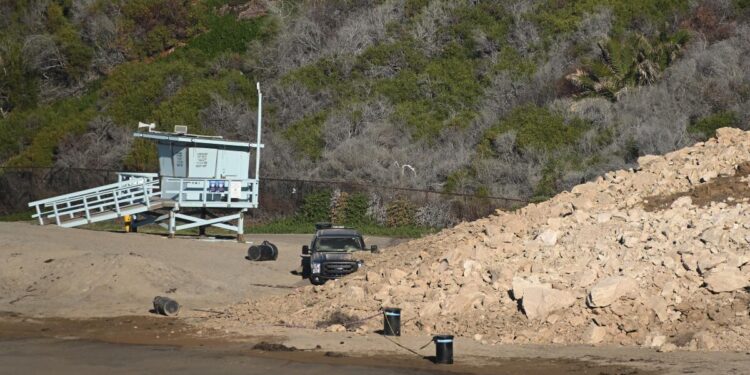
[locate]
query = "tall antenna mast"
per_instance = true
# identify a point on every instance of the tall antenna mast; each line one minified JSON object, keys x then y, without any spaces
{"x":257,"y":144}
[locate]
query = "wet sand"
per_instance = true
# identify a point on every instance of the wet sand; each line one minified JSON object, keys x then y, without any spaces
{"x":46,"y":356}
{"x":136,"y":344}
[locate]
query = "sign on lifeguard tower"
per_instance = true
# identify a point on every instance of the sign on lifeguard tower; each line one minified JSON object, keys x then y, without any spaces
{"x":195,"y":171}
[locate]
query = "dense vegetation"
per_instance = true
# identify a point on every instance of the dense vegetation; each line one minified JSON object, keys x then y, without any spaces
{"x":519,"y":98}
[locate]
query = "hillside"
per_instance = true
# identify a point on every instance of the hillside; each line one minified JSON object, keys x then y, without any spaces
{"x":519,"y":98}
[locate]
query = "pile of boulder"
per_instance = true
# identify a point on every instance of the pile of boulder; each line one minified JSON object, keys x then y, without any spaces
{"x":598,"y":264}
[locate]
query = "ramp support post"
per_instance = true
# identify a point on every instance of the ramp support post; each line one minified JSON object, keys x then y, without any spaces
{"x":171,"y":224}
{"x":241,"y":227}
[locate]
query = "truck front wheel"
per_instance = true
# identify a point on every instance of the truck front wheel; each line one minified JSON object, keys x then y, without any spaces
{"x":317,"y":280}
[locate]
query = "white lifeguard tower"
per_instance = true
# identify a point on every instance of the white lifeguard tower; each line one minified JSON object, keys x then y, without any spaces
{"x":195,"y":171}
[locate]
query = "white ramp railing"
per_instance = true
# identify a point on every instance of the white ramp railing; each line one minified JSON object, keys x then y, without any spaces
{"x":132,"y":193}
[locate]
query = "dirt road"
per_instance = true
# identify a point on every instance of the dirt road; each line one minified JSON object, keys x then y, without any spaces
{"x":52,"y":271}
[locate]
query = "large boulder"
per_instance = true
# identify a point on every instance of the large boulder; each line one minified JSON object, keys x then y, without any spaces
{"x":715,"y":236}
{"x":395,"y":276}
{"x":594,"y":334}
{"x":725,"y":279}
{"x":468,"y":297}
{"x":609,"y":290}
{"x":539,"y":301}
{"x":519,"y":285}
{"x":355,"y":293}
{"x":430,"y":309}
{"x":548,"y":237}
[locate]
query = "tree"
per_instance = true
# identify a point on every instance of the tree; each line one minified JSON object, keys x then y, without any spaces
{"x":626,"y":62}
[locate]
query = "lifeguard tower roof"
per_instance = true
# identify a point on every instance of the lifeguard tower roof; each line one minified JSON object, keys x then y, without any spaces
{"x":193,"y":139}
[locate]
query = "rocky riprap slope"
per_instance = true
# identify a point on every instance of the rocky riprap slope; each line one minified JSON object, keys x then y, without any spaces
{"x":626,"y":259}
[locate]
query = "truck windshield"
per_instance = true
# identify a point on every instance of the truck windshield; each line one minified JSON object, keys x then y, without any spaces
{"x":338,"y":244}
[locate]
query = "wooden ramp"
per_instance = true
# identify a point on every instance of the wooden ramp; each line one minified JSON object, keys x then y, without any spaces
{"x":136,"y":194}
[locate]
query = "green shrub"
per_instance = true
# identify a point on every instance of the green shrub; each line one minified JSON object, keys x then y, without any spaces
{"x":400,"y":213}
{"x":517,"y":65}
{"x":487,"y":17}
{"x":227,"y":34}
{"x":17,"y":216}
{"x":555,"y":17}
{"x":148,"y":27}
{"x":316,"y":207}
{"x":338,"y":204}
{"x":457,"y":180}
{"x":18,"y":85}
{"x":306,"y":135}
{"x":706,"y":126}
{"x":55,"y":16}
{"x":444,"y":95}
{"x":355,"y":211}
{"x":142,"y":156}
{"x":325,"y":73}
{"x":631,"y":151}
{"x":39,"y":130}
{"x":77,"y":54}
{"x":548,"y":185}
{"x":413,"y":7}
{"x":19,"y":80}
{"x":135,"y":90}
{"x":554,"y":170}
{"x":537,"y":129}
{"x":403,"y":53}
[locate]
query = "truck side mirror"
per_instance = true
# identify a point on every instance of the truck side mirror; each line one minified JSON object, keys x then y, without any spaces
{"x":374,"y":249}
{"x":305,"y":249}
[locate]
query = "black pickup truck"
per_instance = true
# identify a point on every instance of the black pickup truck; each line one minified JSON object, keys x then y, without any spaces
{"x":331,"y":253}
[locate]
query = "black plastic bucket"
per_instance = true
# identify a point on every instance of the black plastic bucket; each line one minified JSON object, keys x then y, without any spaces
{"x":392,"y":321}
{"x":264,"y":251}
{"x":166,"y":306}
{"x":443,"y":349}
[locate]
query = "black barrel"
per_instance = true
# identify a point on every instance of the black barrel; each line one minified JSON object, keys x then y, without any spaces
{"x":166,"y":306}
{"x":274,"y":250}
{"x":443,"y":349}
{"x":264,"y":251}
{"x":392,"y":321}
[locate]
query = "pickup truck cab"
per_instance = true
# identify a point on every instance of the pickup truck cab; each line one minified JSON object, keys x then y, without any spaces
{"x":330,"y":254}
